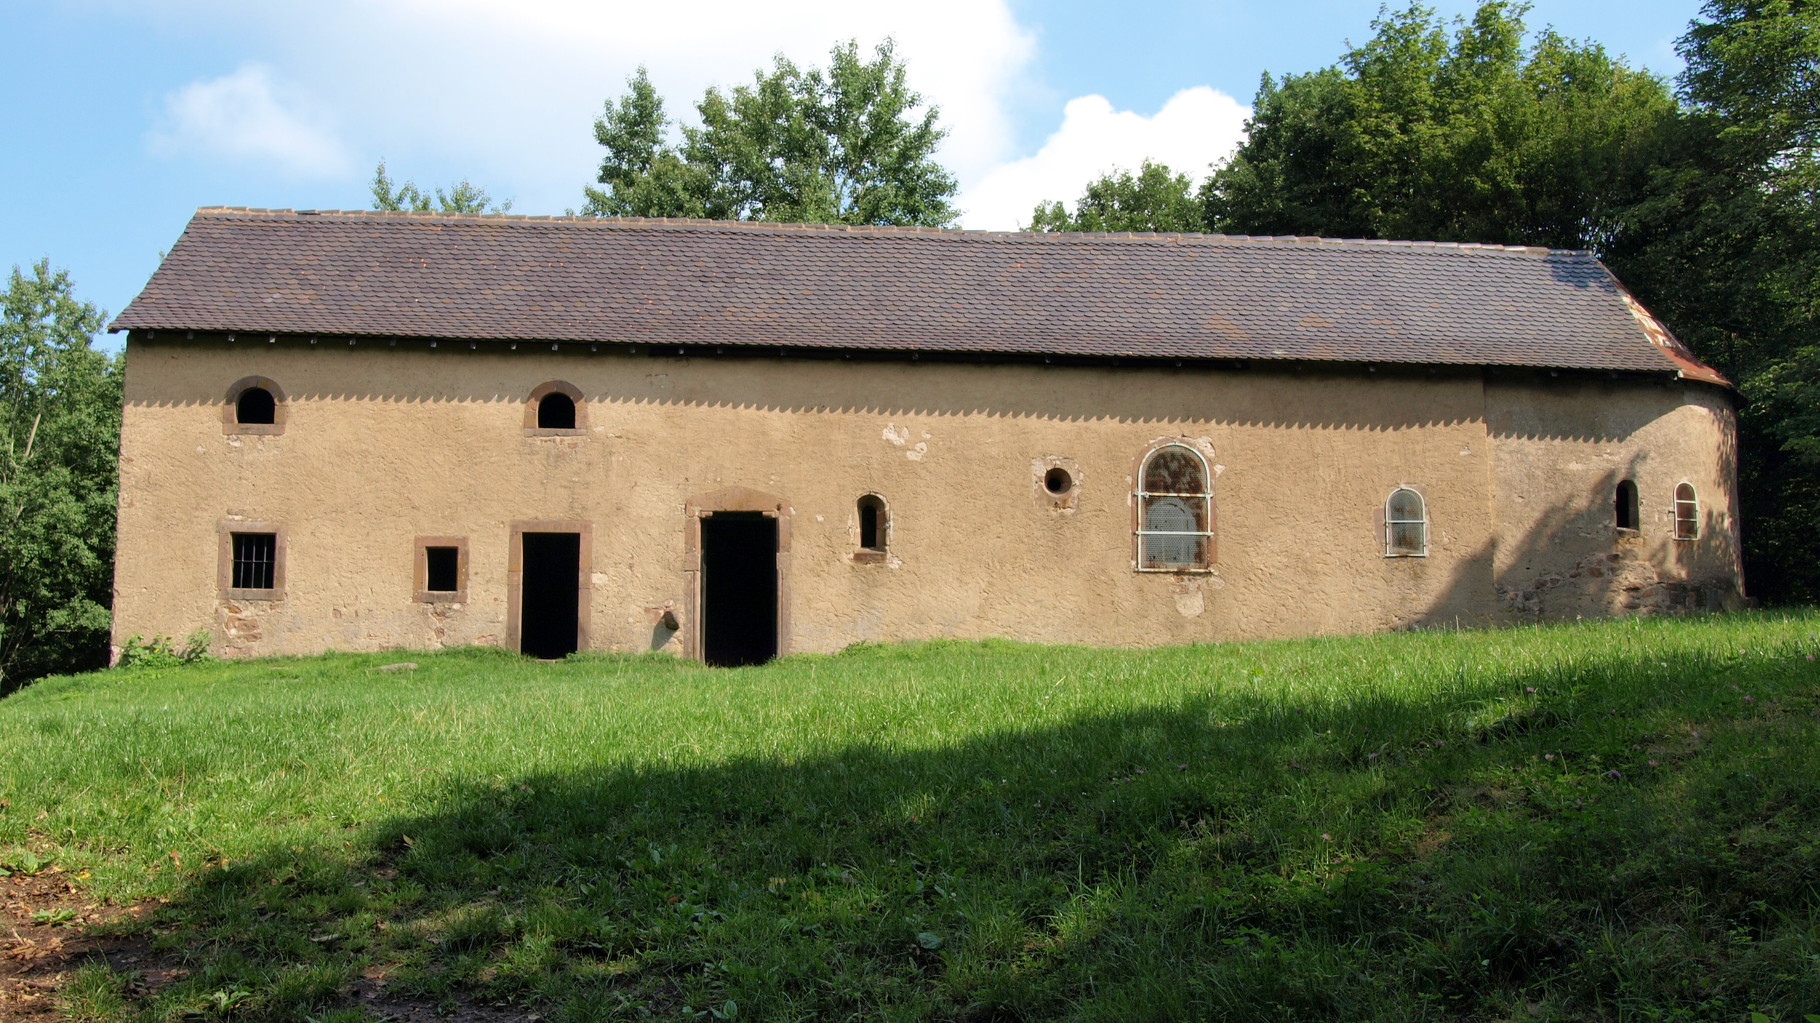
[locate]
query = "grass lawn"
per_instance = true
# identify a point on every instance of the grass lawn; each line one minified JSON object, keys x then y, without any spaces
{"x":1617,"y":820}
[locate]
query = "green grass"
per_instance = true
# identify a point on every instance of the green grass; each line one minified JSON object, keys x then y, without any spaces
{"x":1604,"y":821}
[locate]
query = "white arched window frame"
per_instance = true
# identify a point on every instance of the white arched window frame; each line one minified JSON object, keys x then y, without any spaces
{"x":1405,"y":524}
{"x":1174,"y":511}
{"x":1687,"y":512}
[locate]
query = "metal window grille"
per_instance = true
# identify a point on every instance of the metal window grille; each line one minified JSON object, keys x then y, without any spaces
{"x":1687,"y":513}
{"x":442,"y":569}
{"x":255,"y":561}
{"x":1175,"y":512}
{"x":1405,"y":525}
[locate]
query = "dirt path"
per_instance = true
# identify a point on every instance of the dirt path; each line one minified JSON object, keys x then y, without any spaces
{"x":46,"y":925}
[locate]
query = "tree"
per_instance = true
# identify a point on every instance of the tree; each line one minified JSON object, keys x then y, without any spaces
{"x":845,"y":145}
{"x":59,"y":440}
{"x":1725,"y":246}
{"x":1462,"y":136}
{"x":1154,"y":199}
{"x":462,"y":197}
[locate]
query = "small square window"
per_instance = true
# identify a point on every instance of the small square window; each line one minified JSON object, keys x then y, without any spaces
{"x":251,"y":565}
{"x":442,"y":569}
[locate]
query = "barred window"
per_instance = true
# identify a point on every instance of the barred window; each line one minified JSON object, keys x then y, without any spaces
{"x":255,"y":561}
{"x":1624,"y":505}
{"x":1175,"y":511}
{"x":1405,"y":525}
{"x":1687,"y":513}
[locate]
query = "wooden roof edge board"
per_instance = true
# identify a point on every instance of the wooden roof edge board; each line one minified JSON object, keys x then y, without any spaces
{"x":921,"y":351}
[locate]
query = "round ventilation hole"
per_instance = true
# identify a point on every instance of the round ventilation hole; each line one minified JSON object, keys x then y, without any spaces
{"x":1057,"y":481}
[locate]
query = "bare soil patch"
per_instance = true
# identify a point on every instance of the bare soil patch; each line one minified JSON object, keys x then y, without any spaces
{"x":49,"y":927}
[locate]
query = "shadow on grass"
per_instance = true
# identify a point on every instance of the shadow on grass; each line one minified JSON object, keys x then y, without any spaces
{"x":1610,"y":840}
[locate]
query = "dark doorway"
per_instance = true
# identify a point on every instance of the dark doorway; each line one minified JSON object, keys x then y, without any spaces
{"x":549,"y":617}
{"x":738,"y":588}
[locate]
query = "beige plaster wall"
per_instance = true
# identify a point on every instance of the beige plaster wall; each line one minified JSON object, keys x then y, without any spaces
{"x":1561,"y":448}
{"x":381,"y":445}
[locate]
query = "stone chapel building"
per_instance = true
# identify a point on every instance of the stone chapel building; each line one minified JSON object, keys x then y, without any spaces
{"x":356,"y":431}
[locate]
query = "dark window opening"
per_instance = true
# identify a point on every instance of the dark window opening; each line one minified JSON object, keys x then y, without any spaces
{"x":556,"y":411}
{"x":442,"y":569}
{"x":1624,"y":505}
{"x":739,"y":588}
{"x":550,"y":595}
{"x":872,"y":522}
{"x":255,"y":407}
{"x":255,"y":561}
{"x":1057,"y":481}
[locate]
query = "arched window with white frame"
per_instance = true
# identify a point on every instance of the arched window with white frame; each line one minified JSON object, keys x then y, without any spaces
{"x":1405,"y":524}
{"x":1687,"y":512}
{"x":1174,"y":511}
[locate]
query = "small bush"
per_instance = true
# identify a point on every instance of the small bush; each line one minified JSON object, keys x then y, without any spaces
{"x":162,"y":651}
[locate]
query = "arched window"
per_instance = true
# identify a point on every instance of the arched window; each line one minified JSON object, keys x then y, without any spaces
{"x":555,"y":407}
{"x":556,"y":412}
{"x":874,"y":523}
{"x":1687,"y":512}
{"x":1624,"y":506}
{"x":1175,"y":511}
{"x":1405,"y":525}
{"x":254,"y":405}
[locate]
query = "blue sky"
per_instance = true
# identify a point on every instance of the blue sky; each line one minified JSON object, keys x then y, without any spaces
{"x":126,"y":116}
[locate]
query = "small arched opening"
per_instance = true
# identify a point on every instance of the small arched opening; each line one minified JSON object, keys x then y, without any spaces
{"x":1625,"y":511}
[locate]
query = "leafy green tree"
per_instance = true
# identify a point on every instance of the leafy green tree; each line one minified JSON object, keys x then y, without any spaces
{"x":852,"y":144}
{"x":59,"y":441}
{"x":1461,"y":135}
{"x":1154,"y":199}
{"x":1725,"y":246}
{"x":462,"y":197}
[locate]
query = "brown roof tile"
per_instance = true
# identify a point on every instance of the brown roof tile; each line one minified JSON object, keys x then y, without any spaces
{"x":898,"y":289}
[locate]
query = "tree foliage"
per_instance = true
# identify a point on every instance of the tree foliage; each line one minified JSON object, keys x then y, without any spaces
{"x":1154,"y":199}
{"x":462,"y":197}
{"x":1725,"y":246}
{"x":1449,"y":133}
{"x":59,"y":438}
{"x":851,"y":144}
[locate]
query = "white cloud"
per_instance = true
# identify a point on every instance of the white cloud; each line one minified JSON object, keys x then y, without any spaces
{"x":241,"y":116}
{"x":505,"y":91}
{"x":1195,"y":128}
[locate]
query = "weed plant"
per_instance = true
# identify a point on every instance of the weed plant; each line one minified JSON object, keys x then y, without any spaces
{"x":1600,"y":821}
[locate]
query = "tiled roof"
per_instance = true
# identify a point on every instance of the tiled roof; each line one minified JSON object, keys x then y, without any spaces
{"x":896,"y":289}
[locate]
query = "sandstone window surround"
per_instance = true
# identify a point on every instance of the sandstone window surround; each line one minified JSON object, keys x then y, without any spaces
{"x":254,"y":406}
{"x":1174,"y":506}
{"x":555,"y":409}
{"x":440,"y":569}
{"x":1405,"y":524}
{"x":1687,"y":512}
{"x":874,"y":529}
{"x":250,"y":564}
